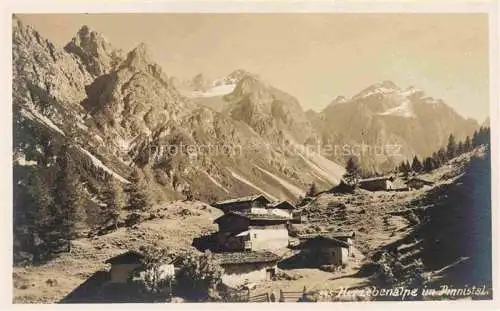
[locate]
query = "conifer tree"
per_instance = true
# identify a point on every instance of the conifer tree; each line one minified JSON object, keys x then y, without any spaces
{"x":442,"y":156}
{"x":475,"y":139}
{"x":467,"y":144}
{"x":139,"y":195}
{"x":68,"y":194}
{"x":451,"y":149}
{"x":352,"y":173}
{"x":460,"y":148}
{"x":416,"y":165}
{"x":114,"y":197}
{"x":429,"y":164}
{"x":312,"y":190}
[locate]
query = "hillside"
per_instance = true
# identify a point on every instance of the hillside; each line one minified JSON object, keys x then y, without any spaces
{"x":441,"y":233}
{"x":159,"y":227}
{"x":420,"y":230}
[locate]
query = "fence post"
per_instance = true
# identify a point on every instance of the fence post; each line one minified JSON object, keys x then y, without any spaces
{"x":282,"y":296}
{"x":304,"y":293}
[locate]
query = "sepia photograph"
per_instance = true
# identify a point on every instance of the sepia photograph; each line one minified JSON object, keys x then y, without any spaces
{"x":165,"y":157}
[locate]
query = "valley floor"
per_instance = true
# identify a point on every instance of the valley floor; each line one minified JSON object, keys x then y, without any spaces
{"x":379,"y":219}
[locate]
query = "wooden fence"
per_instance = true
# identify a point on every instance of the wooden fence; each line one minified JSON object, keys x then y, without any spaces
{"x":265,"y":297}
{"x":233,"y":295}
{"x":292,"y":296}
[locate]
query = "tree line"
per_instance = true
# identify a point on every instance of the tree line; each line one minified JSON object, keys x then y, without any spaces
{"x":51,"y":205}
{"x":353,"y":172}
{"x":452,"y":150}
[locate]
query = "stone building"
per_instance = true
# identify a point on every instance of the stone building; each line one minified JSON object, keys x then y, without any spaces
{"x":247,"y":267}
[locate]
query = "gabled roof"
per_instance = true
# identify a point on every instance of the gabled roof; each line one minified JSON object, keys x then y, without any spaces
{"x":376,"y":179}
{"x":245,"y":257}
{"x":249,"y":198}
{"x":130,"y":257}
{"x":420,"y":179}
{"x":281,"y":205}
{"x":253,"y":216}
{"x":327,"y":239}
{"x":342,"y":234}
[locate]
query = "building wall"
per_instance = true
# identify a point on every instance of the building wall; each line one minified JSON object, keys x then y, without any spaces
{"x":344,"y":259}
{"x":258,"y":210}
{"x":268,"y":239}
{"x":260,"y":203}
{"x":229,"y":242}
{"x":327,"y":255}
{"x":376,"y":185}
{"x":121,"y":273}
{"x":233,"y":224}
{"x":165,"y":271}
{"x":238,"y":274}
{"x":240,"y":207}
{"x":281,"y":212}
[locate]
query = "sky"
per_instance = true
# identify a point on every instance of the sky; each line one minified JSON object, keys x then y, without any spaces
{"x":314,"y":57}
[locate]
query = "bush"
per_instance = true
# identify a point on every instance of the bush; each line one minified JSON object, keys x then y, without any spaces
{"x":198,"y":276}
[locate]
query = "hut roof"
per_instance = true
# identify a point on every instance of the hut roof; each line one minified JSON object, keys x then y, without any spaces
{"x":420,"y":179}
{"x":326,"y":239}
{"x":253,"y":217}
{"x":130,"y":257}
{"x":281,"y":205}
{"x":249,"y":198}
{"x":342,"y":234}
{"x":376,"y":179}
{"x":245,"y":257}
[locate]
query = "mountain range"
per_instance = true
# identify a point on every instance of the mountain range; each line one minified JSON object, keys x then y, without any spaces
{"x":217,"y":138}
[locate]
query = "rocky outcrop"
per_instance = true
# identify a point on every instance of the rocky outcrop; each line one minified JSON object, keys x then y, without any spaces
{"x":94,"y":51}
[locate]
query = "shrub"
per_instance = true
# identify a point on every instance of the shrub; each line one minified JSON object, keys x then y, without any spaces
{"x":198,"y":276}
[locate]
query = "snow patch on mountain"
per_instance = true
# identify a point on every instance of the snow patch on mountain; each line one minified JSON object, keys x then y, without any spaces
{"x":98,"y":163}
{"x":216,"y":182}
{"x":243,"y":180}
{"x":37,"y":116}
{"x":381,"y":90}
{"x":329,"y":170}
{"x":218,"y":90}
{"x":404,"y":110}
{"x":292,"y":188}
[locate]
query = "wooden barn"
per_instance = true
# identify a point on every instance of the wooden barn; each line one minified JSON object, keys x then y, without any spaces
{"x":281,"y":208}
{"x":325,"y":249}
{"x":247,"y":231}
{"x":418,"y":183}
{"x":130,"y":265}
{"x":376,"y":183}
{"x":249,"y":204}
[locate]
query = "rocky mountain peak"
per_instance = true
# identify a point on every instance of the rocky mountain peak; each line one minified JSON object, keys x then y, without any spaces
{"x":200,"y":82}
{"x":234,"y":77}
{"x":383,"y":87}
{"x":37,"y":61}
{"x":94,"y":51}
{"x":138,"y":58}
{"x":249,"y":84}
